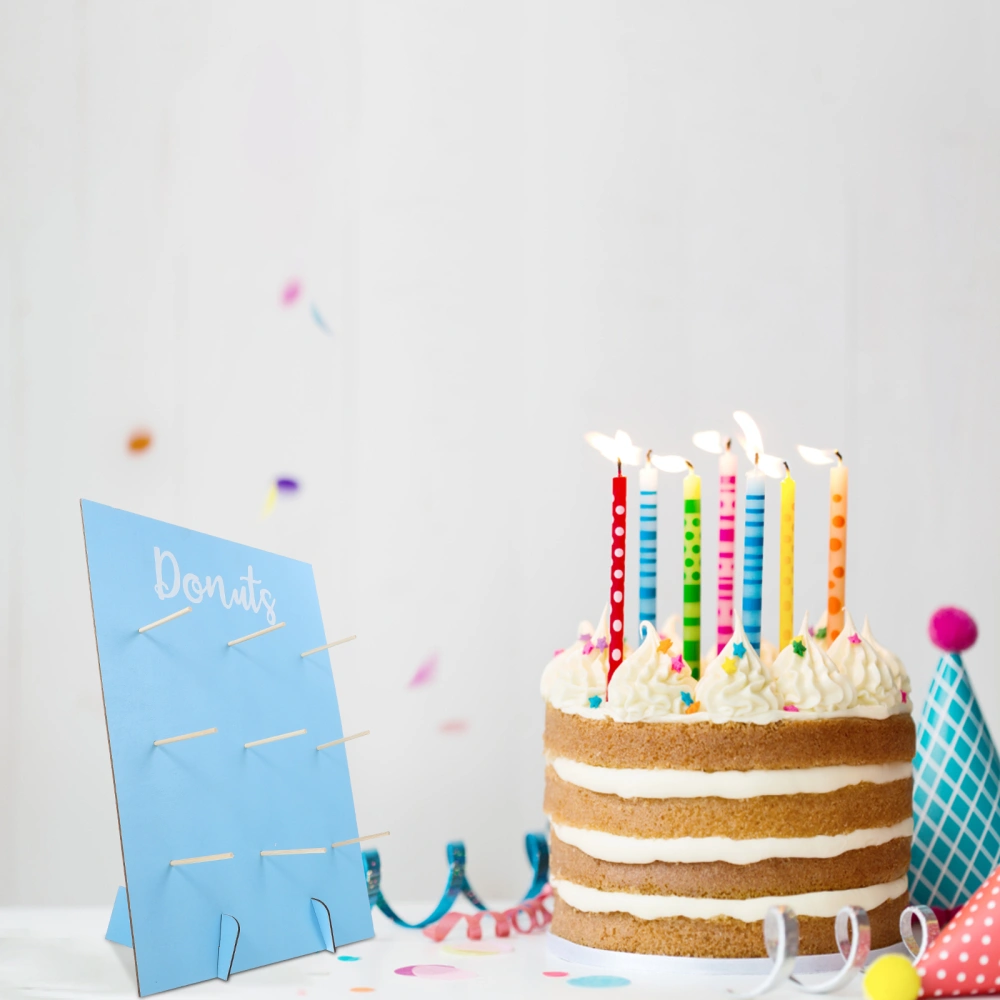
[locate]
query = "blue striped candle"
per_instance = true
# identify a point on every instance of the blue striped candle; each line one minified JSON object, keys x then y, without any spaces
{"x":753,"y":556}
{"x":647,"y":544}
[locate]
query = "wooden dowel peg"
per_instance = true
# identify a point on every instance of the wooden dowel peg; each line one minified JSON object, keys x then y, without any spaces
{"x":204,"y":857}
{"x":343,"y":739}
{"x":299,"y":850}
{"x":274,"y":739}
{"x":329,"y":645}
{"x":186,"y":736}
{"x":163,"y":621}
{"x":358,"y":840}
{"x":253,"y":635}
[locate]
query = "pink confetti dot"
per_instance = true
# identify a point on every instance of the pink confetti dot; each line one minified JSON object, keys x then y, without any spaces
{"x":555,"y":974}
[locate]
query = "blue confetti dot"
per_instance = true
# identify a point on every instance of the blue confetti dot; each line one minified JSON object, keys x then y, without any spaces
{"x":595,"y":701}
{"x":598,"y":982}
{"x":348,"y":958}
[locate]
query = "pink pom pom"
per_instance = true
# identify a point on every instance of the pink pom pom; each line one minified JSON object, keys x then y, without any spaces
{"x":952,"y":630}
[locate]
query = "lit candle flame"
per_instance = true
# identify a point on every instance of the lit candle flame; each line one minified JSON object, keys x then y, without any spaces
{"x":616,"y":449}
{"x":818,"y":456}
{"x":711,"y":441}
{"x":671,"y":463}
{"x":753,"y":444}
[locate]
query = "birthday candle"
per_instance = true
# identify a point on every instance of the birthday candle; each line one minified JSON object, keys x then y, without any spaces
{"x":648,"y":478}
{"x":727,"y":546}
{"x":753,"y":556}
{"x":837,"y":580}
{"x":618,"y":504}
{"x":692,"y":572}
{"x":786,"y":595}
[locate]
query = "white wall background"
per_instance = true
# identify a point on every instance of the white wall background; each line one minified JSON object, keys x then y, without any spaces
{"x":521,"y":222}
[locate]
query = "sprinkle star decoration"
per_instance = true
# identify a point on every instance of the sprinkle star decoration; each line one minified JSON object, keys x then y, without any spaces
{"x":798,"y":646}
{"x":594,"y":701}
{"x":601,"y":644}
{"x":729,"y":664}
{"x":854,"y":640}
{"x":677,"y":663}
{"x":739,"y":650}
{"x":820,"y":633}
{"x":664,"y":646}
{"x":686,"y":698}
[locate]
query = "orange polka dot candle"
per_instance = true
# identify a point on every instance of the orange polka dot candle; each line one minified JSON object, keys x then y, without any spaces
{"x":786,"y":560}
{"x":837,"y":577}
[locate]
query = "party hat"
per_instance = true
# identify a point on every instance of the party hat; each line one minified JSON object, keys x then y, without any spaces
{"x":956,"y":772}
{"x":964,"y":960}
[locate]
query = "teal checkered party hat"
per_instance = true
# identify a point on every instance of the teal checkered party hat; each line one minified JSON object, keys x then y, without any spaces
{"x":956,"y":773}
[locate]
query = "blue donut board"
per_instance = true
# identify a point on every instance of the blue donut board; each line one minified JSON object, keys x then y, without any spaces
{"x":210,"y":794}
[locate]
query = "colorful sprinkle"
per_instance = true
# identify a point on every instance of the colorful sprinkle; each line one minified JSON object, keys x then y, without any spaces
{"x":854,"y":640}
{"x":695,"y":706}
{"x":595,"y":701}
{"x":798,"y":646}
{"x":139,"y":441}
{"x":790,"y":708}
{"x":558,"y":652}
{"x":318,"y":319}
{"x":584,"y":637}
{"x":820,"y":633}
{"x":664,"y":646}
{"x":425,"y":672}
{"x":729,"y":664}
{"x":348,"y":958}
{"x":686,"y":698}
{"x":291,"y":292}
{"x":601,"y":644}
{"x":598,"y":982}
{"x":739,"y":649}
{"x":677,"y":663}
{"x":587,"y":649}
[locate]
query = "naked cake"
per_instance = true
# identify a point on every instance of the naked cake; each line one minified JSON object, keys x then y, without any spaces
{"x":682,"y":809}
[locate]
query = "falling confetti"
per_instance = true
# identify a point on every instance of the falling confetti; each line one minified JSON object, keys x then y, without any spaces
{"x":348,"y":958}
{"x":555,"y":974}
{"x":598,"y":982}
{"x":269,"y":501}
{"x":286,"y":485}
{"x":362,"y":989}
{"x":318,"y":319}
{"x":425,"y":672}
{"x":436,"y":972}
{"x":139,"y":441}
{"x":290,"y":293}
{"x":454,"y":726}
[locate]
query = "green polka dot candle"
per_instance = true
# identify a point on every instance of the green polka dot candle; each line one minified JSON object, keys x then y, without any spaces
{"x":692,"y":571}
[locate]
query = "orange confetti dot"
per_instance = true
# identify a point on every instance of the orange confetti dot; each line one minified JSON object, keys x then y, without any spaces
{"x":836,"y":544}
{"x":838,"y":571}
{"x":833,"y":605}
{"x":695,"y":706}
{"x":838,"y":521}
{"x":836,"y":498}
{"x":362,"y":989}
{"x":140,"y":441}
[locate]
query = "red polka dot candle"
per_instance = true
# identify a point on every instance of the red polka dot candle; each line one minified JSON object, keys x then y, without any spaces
{"x":619,"y":506}
{"x":837,"y":578}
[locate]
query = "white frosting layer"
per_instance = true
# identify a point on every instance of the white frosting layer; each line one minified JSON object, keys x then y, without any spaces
{"x":650,"y":681}
{"x":668,"y":783}
{"x":735,"y":684}
{"x":868,"y":672}
{"x":808,"y":904}
{"x":645,"y":850}
{"x":895,"y":664}
{"x":808,"y":679}
{"x":579,"y":672}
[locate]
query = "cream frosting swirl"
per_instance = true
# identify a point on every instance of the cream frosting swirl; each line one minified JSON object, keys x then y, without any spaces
{"x":579,"y":674}
{"x":899,"y":674}
{"x":860,"y":662}
{"x":768,"y":653}
{"x":808,"y":680}
{"x":650,"y":681}
{"x":735,"y":684}
{"x":673,"y":629}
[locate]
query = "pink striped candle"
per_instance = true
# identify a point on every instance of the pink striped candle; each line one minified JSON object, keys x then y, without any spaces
{"x":727,"y":545}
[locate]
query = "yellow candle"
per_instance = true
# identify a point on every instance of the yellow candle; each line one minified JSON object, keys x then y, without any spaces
{"x":786,"y":597}
{"x":837,"y":580}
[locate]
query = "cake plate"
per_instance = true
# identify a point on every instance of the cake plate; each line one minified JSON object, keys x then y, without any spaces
{"x":623,"y":961}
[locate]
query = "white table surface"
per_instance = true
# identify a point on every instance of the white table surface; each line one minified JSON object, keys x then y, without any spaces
{"x":62,"y":953}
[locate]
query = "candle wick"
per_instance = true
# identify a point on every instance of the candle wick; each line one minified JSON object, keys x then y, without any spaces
{"x":756,"y":458}
{"x":840,"y":458}
{"x":788,"y":471}
{"x":729,"y":443}
{"x":649,"y":456}
{"x":690,"y":465}
{"x":619,"y":466}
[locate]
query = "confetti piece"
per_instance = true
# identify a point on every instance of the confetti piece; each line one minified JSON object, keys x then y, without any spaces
{"x":598,"y":982}
{"x":555,"y":974}
{"x":454,"y":726}
{"x":425,"y":672}
{"x":139,"y":441}
{"x":291,"y":292}
{"x":269,"y":501}
{"x":434,"y":972}
{"x":287,"y":485}
{"x":348,"y":958}
{"x":362,"y":989}
{"x":318,"y":319}
{"x":495,"y":947}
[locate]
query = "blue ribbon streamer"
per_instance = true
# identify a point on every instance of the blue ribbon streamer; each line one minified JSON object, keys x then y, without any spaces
{"x":458,"y":883}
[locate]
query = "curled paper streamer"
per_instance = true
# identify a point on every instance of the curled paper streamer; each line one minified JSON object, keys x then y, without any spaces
{"x":929,"y":930}
{"x":526,"y":917}
{"x":781,"y":939}
{"x":854,"y":946}
{"x":458,"y":884}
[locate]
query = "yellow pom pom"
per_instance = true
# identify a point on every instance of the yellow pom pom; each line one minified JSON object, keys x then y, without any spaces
{"x":892,"y":977}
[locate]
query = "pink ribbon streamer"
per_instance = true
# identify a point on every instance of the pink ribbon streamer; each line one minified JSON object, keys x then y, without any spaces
{"x":532,"y":913}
